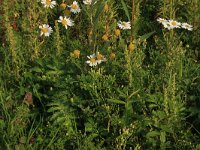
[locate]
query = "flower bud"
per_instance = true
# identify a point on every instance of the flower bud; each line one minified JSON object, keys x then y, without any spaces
{"x":131,"y":47}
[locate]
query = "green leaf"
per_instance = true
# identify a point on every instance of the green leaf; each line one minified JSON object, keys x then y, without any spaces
{"x":125,"y":9}
{"x":37,"y":69}
{"x":98,"y":13}
{"x":116,"y":101}
{"x":146,"y":36}
{"x":152,"y":134}
{"x":163,"y":137}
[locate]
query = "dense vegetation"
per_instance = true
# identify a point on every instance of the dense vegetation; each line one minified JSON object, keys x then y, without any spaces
{"x":111,"y":74}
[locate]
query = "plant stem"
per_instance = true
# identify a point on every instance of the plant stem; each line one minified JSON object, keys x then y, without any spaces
{"x":132,"y":19}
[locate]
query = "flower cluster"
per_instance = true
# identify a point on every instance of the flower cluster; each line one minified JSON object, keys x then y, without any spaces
{"x":45,"y":29}
{"x":95,"y":59}
{"x":66,"y":21}
{"x":171,"y":24}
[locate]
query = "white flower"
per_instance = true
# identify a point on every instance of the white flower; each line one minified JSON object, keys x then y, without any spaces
{"x":74,"y":7}
{"x":48,"y":3}
{"x":66,"y":21}
{"x":45,"y":29}
{"x":100,"y":58}
{"x":92,"y":60}
{"x":162,"y":20}
{"x":87,"y":2}
{"x":174,"y":24}
{"x":186,"y":26}
{"x":167,"y":25}
{"x":124,"y":25}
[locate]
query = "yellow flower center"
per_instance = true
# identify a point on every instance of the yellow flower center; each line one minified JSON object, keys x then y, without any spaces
{"x":64,"y":22}
{"x":74,"y":6}
{"x":174,"y":23}
{"x":123,"y":24}
{"x":48,"y":2}
{"x":44,"y":30}
{"x":92,"y":60}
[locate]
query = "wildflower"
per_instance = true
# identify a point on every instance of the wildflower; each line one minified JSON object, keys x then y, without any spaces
{"x":112,"y":56}
{"x":124,"y":25}
{"x":100,"y":58}
{"x":28,"y":99}
{"x":87,"y":2}
{"x":131,"y":47}
{"x":74,"y":7}
{"x":76,"y":53}
{"x":92,"y":60}
{"x":66,"y":21}
{"x":174,"y":24}
{"x":48,"y":3}
{"x":117,"y":32}
{"x":45,"y":29}
{"x":106,"y":8}
{"x":63,"y":5}
{"x":162,"y":20}
{"x":105,"y":37}
{"x":186,"y":26}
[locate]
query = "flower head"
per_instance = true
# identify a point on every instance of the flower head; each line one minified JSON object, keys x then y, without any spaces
{"x":76,"y":53}
{"x":92,"y":60}
{"x":167,"y":25}
{"x":174,"y":24}
{"x":186,"y":26}
{"x":112,"y":56}
{"x":74,"y":7}
{"x":45,"y":29}
{"x":48,"y":3}
{"x":100,"y":58}
{"x":117,"y":32}
{"x":87,"y":2}
{"x":124,"y":25}
{"x":66,"y":21}
{"x":63,"y":5}
{"x":162,"y":20}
